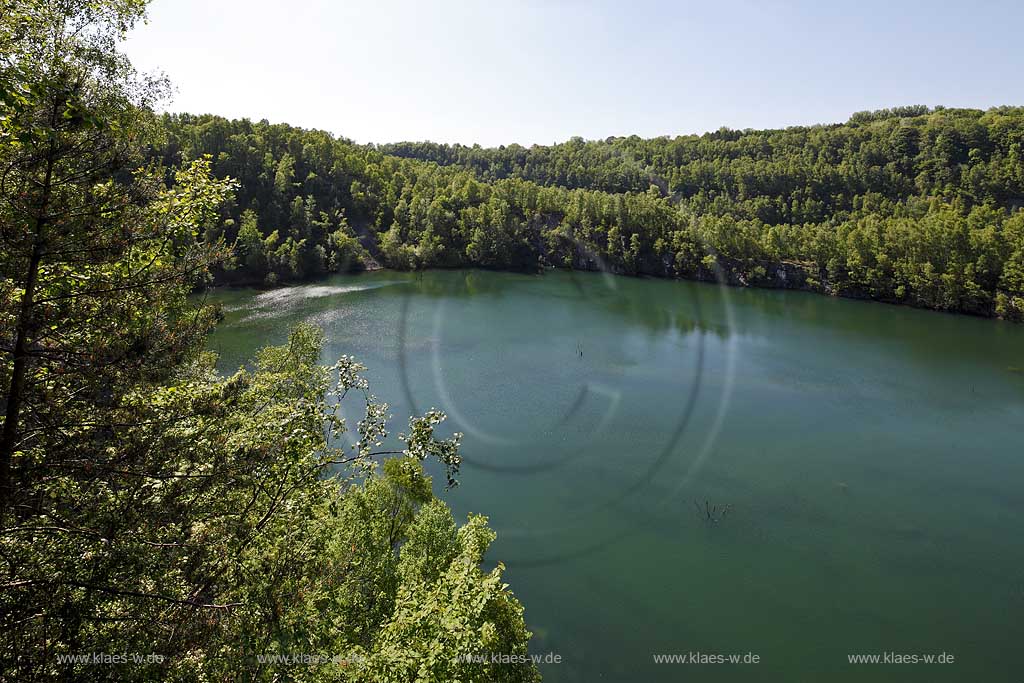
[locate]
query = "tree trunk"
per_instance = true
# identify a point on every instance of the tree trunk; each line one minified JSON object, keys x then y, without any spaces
{"x":9,"y":439}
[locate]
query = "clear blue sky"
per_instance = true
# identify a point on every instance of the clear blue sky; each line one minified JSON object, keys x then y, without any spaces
{"x":539,"y":72}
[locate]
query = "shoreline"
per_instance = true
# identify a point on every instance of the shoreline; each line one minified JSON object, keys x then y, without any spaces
{"x":800,"y":283}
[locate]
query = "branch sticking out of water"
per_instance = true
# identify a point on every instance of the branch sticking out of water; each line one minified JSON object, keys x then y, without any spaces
{"x":713,"y":513}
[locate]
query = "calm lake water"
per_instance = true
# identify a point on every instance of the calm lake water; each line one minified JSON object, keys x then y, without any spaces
{"x":864,"y":464}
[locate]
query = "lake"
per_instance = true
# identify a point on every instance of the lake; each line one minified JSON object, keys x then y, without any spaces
{"x":675,"y":467}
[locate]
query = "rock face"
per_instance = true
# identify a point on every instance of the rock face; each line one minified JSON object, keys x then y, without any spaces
{"x":781,"y":275}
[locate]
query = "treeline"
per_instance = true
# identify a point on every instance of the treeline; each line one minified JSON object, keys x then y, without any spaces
{"x":912,"y":205}
{"x":796,"y":175}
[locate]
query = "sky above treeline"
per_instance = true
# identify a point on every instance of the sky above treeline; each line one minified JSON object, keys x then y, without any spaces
{"x":543,"y":71}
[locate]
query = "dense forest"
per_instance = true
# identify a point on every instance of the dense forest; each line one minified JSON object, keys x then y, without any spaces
{"x":150,"y":505}
{"x":910,"y":205}
{"x":162,"y":522}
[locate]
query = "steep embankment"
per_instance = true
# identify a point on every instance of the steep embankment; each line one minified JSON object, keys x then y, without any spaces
{"x":913,"y":206}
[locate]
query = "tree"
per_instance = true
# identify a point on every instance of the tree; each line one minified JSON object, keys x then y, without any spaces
{"x":249,"y":246}
{"x":149,"y":505}
{"x":285,"y":174}
{"x":86,"y":238}
{"x":762,"y":201}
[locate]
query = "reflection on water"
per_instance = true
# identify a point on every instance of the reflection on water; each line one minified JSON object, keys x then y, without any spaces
{"x":869,"y":456}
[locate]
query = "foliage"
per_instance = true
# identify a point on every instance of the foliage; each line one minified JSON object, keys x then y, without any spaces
{"x":911,"y":205}
{"x":151,"y":507}
{"x":219,"y":523}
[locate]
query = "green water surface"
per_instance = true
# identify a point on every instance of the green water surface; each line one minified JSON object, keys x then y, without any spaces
{"x":869,"y":458}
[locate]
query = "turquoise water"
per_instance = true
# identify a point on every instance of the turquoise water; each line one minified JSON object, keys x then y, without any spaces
{"x":868,"y":460}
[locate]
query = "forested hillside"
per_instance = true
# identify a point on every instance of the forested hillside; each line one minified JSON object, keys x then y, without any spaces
{"x":909,"y":205}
